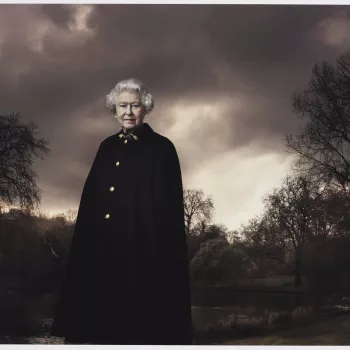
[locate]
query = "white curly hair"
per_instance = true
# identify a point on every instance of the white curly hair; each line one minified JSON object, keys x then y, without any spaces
{"x":132,"y":85}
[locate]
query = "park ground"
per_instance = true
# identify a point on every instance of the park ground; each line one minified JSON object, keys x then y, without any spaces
{"x":332,"y":330}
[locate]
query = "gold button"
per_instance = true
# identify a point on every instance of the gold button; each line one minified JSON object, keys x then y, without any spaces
{"x":107,"y":216}
{"x":117,"y":164}
{"x":125,"y":141}
{"x":111,"y":189}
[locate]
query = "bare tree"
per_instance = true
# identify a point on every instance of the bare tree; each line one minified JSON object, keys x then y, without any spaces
{"x":322,"y":144}
{"x":262,"y":240}
{"x":291,"y":208}
{"x":198,"y":208}
{"x":19,"y":144}
{"x":69,"y":216}
{"x":330,"y":214}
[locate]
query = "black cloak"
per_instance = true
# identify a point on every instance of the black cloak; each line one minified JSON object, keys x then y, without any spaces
{"x":127,"y":278}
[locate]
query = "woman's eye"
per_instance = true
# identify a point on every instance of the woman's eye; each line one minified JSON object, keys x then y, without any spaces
{"x":136,"y":106}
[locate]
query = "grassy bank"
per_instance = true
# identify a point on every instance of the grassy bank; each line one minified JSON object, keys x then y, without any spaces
{"x":250,"y":323}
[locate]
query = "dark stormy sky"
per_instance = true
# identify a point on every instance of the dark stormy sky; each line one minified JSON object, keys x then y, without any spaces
{"x":222,"y":77}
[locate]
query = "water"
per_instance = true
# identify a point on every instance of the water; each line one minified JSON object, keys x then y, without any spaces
{"x":211,"y":305}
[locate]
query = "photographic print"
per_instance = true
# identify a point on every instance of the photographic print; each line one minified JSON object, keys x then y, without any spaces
{"x":174,"y":174}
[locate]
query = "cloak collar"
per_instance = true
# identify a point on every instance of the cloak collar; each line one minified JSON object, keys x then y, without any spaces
{"x":143,"y":130}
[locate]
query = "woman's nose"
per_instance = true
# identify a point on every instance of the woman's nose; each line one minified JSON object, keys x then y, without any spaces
{"x":128,"y":110}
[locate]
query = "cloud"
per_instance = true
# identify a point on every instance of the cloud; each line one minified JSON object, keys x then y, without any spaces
{"x":222,"y":76}
{"x":238,"y":181}
{"x":335,"y":30}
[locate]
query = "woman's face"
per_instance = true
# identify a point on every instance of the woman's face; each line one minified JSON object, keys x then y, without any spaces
{"x":129,"y":110}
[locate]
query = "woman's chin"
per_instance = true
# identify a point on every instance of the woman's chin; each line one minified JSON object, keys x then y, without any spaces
{"x":129,"y":126}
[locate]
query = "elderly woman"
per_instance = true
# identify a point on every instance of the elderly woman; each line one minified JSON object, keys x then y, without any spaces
{"x":127,"y":278}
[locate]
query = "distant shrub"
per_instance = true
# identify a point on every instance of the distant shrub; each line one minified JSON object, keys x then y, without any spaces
{"x":232,"y":326}
{"x":216,"y":263}
{"x":303,"y":314}
{"x":248,"y":326}
{"x":236,"y":326}
{"x":278,"y":318}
